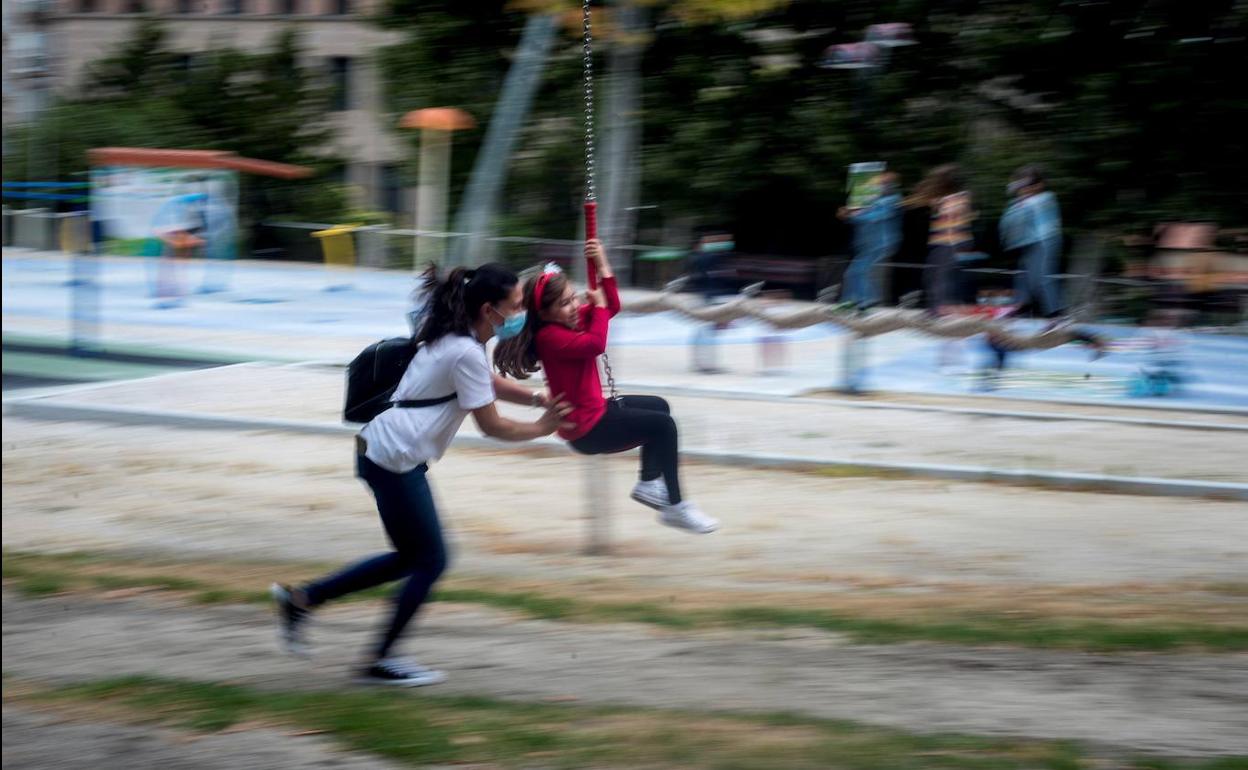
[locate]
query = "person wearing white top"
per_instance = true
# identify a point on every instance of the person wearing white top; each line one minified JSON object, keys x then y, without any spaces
{"x":464,"y":311}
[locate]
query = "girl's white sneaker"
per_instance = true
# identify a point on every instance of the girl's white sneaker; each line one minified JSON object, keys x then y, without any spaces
{"x":652,"y":493}
{"x":687,"y":516}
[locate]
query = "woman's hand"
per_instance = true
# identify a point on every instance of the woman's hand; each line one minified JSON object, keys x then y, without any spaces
{"x":552,"y":419}
{"x":596,"y":298}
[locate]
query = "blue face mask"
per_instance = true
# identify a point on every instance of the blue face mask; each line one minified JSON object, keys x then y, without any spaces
{"x":511,"y":326}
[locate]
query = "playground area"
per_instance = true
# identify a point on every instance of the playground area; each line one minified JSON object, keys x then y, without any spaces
{"x":853,"y":386}
{"x":298,"y":312}
{"x":923,"y":575}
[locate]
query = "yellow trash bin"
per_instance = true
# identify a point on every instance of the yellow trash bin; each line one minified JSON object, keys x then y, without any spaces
{"x":75,"y":235}
{"x":338,"y":244}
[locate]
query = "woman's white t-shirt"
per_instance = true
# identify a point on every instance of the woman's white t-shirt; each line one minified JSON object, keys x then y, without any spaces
{"x":400,"y":439}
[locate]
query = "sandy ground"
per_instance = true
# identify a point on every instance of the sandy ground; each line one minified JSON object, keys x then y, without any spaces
{"x":283,"y":497}
{"x":1183,"y":704}
{"x":274,"y":498}
{"x":802,"y":429}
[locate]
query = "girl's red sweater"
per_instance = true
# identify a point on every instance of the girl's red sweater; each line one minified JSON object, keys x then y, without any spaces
{"x":570,"y":360}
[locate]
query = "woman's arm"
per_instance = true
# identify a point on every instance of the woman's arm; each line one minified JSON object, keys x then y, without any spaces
{"x":515,"y":393}
{"x":497,"y":426}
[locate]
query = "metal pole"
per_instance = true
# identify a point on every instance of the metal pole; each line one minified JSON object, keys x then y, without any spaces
{"x":622,"y":175}
{"x":431,"y":192}
{"x":597,"y":506}
{"x":855,"y":349}
{"x":489,"y":172}
{"x":85,"y":264}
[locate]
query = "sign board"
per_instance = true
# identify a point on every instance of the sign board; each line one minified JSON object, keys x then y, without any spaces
{"x":139,"y":206}
{"x":861,"y":185}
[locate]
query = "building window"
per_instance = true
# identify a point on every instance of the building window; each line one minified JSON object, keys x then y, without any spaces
{"x":86,"y":6}
{"x":136,"y":6}
{"x":235,"y":7}
{"x":289,"y":7}
{"x":340,"y":7}
{"x":340,"y":83}
{"x":186,"y":6}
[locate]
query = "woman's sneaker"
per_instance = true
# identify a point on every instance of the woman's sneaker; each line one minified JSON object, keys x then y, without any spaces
{"x":290,"y":620}
{"x":685,"y":515}
{"x":652,"y":493}
{"x":400,"y":672}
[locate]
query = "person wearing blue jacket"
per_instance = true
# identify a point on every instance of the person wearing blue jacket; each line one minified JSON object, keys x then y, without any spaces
{"x":877,"y":234}
{"x":1031,"y":231}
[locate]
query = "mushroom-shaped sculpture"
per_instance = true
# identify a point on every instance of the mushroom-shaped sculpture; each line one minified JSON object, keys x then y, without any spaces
{"x":436,"y":124}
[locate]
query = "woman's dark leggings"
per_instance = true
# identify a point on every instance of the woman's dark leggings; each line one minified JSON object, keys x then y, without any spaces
{"x":940,"y":278}
{"x":644,"y":421}
{"x":405,"y":503}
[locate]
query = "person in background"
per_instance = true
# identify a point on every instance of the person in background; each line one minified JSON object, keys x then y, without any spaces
{"x":1031,"y":232}
{"x":877,"y":234}
{"x":708,"y":268}
{"x":708,"y":261}
{"x":952,"y":215}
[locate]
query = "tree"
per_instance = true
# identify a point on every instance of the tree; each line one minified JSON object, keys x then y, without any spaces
{"x":142,"y":64}
{"x":1135,"y":108}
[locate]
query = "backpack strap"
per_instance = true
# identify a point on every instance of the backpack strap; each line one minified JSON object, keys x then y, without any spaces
{"x":423,"y":402}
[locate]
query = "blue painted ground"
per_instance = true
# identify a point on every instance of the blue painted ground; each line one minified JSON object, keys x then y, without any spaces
{"x":303,"y":300}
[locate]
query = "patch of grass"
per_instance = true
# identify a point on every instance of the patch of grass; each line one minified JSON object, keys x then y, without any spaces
{"x":1228,"y":589}
{"x":856,"y":471}
{"x":39,"y":575}
{"x":155,"y":583}
{"x":41,"y":585}
{"x":436,"y":729}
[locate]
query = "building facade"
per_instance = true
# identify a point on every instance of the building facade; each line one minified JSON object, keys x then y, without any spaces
{"x":336,"y":37}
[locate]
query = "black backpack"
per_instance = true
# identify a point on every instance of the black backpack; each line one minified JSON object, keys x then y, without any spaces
{"x":373,"y":376}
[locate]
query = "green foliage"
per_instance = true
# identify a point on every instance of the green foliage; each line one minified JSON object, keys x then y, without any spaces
{"x":141,"y":65}
{"x":742,"y":129}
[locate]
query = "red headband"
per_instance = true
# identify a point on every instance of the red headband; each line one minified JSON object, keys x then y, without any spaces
{"x":537,"y":290}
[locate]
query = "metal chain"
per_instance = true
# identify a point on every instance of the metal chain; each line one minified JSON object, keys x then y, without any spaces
{"x":587,"y":50}
{"x":591,"y":194}
{"x":606,"y":365}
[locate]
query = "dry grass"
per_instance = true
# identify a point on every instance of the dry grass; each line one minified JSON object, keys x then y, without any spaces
{"x":874,"y":608}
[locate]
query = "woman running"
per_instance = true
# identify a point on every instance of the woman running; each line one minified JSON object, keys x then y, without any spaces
{"x":394,"y":450}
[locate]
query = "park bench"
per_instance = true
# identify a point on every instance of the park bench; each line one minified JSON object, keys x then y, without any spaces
{"x":802,"y":276}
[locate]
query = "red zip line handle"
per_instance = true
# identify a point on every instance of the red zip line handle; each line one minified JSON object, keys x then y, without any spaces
{"x":591,"y":233}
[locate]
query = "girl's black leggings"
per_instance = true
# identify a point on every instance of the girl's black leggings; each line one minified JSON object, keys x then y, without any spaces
{"x":644,"y":421}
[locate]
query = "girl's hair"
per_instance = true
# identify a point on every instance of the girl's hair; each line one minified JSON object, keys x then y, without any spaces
{"x":453,"y":302}
{"x":941,"y":181}
{"x":1029,"y":175}
{"x":517,"y":357}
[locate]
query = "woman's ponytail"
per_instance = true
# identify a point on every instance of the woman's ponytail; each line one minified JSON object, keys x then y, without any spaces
{"x":452,"y":302}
